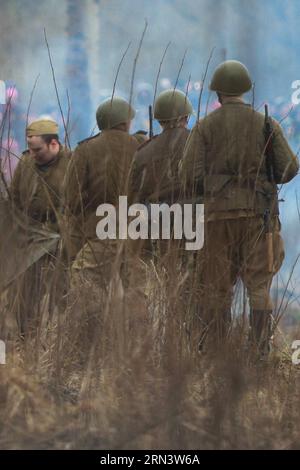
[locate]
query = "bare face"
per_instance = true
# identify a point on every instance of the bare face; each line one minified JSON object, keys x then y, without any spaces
{"x":41,"y":151}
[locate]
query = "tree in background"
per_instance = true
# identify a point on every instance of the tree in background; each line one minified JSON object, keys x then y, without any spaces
{"x":77,"y":68}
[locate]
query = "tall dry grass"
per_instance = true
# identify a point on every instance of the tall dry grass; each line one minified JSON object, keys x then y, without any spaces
{"x":122,"y":371}
{"x":119,"y":368}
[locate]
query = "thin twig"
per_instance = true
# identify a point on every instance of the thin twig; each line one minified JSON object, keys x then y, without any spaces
{"x":30,"y":102}
{"x":135,"y":62}
{"x":68,"y":115}
{"x":203,"y":81}
{"x":56,"y":90}
{"x":207,"y":103}
{"x":253,"y":94}
{"x":187,"y":86}
{"x":159,"y":70}
{"x":118,"y":70}
{"x":180,"y":68}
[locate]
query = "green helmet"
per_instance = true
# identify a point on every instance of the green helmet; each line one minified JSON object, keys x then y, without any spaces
{"x":231,"y":78}
{"x":113,"y":112}
{"x":172,"y":104}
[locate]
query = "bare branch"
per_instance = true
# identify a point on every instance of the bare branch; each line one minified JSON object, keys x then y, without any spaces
{"x":56,"y":90}
{"x":159,"y":70}
{"x":118,"y":70}
{"x":180,"y":68}
{"x":135,"y":61}
{"x":30,"y":100}
{"x":203,"y":81}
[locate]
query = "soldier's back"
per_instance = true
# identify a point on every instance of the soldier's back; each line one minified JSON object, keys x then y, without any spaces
{"x":155,"y":174}
{"x":108,"y":159}
{"x":235,"y":139}
{"x":231,"y":151}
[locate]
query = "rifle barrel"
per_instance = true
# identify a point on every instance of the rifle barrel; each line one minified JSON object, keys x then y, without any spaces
{"x":150,"y":122}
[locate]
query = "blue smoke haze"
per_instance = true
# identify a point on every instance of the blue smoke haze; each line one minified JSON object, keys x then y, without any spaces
{"x":87,"y":39}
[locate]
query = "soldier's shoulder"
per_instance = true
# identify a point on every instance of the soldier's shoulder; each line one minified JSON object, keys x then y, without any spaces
{"x":65,"y":156}
{"x":117,"y":138}
{"x":89,"y":139}
{"x":26,"y":157}
{"x":184,"y":133}
{"x":25,"y":161}
{"x":146,"y":151}
{"x":258,"y":116}
{"x":148,"y":142}
{"x":65,"y":152}
{"x":219,"y":110}
{"x":85,"y":145}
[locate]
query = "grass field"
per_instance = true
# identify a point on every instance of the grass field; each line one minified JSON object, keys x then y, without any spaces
{"x":126,"y":374}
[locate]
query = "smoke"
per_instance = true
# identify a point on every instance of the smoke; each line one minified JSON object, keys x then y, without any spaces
{"x":87,"y":39}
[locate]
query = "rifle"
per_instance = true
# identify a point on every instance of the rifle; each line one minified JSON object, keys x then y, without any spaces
{"x":150,"y":122}
{"x":269,"y":239}
{"x":269,"y":154}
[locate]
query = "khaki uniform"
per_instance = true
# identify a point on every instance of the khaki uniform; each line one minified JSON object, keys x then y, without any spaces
{"x":98,"y":173}
{"x":224,"y":158}
{"x":155,"y":179}
{"x":154,"y":176}
{"x":37,"y":190}
{"x":155,"y":168}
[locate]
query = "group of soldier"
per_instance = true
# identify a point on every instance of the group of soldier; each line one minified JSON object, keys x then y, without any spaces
{"x":222,"y":162}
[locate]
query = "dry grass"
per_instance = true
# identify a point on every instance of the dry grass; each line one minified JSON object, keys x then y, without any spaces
{"x":125,"y":373}
{"x":113,"y":369}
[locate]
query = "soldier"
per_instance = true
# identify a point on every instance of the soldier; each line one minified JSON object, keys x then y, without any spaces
{"x":98,"y":174}
{"x":36,"y":191}
{"x":141,"y":136}
{"x":36,"y":187}
{"x":154,"y":174}
{"x":225,"y":157}
{"x":154,"y":179}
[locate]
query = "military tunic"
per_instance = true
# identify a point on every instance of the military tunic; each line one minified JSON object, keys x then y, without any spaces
{"x":98,"y":173}
{"x":154,"y":179}
{"x":155,"y":169}
{"x":224,"y":157}
{"x":37,"y":190}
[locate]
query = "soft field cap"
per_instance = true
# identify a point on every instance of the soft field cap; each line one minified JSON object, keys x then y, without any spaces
{"x":42,"y":127}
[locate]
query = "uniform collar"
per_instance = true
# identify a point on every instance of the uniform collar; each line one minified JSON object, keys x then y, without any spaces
{"x":232,"y":101}
{"x":172,"y":127}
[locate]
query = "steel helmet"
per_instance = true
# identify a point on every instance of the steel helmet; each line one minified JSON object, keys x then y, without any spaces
{"x":113,"y":112}
{"x":231,"y":78}
{"x":172,"y":104}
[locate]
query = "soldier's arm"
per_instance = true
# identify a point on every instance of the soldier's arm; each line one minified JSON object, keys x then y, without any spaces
{"x":74,"y":183}
{"x":286,"y":163}
{"x":191,"y":166}
{"x":73,"y":202}
{"x":14,"y":189}
{"x":135,"y":180}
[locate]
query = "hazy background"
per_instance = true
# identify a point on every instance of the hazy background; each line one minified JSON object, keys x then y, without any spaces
{"x":87,"y":39}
